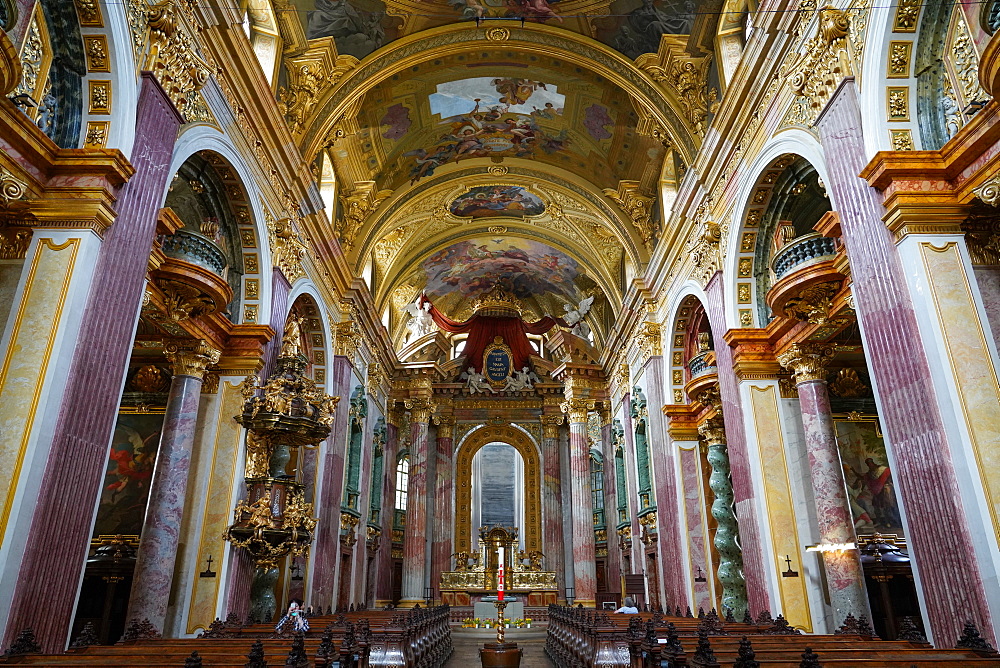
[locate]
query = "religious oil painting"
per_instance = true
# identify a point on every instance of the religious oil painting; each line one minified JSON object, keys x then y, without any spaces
{"x":528,"y":10}
{"x":523,"y":267}
{"x":486,"y":201}
{"x":491,"y":117}
{"x":358,"y":27}
{"x":130,"y":469}
{"x":870,"y":487}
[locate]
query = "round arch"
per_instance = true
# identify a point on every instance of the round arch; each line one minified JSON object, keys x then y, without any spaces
{"x":659,"y":105}
{"x":520,"y":441}
{"x":208,"y":139}
{"x":792,"y":143}
{"x":683,"y":304}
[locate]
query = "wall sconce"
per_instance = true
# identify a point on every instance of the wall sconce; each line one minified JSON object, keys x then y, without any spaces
{"x":831,"y":547}
{"x":700,"y":577}
{"x":789,"y":573}
{"x":208,"y":572}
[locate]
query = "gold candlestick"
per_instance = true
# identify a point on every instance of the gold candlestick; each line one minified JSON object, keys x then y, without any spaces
{"x":500,"y":607}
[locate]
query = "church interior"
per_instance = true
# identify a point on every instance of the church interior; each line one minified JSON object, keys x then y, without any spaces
{"x":355,"y":332}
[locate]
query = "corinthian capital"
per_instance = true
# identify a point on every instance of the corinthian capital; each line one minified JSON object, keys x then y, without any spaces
{"x":445,"y":426}
{"x":577,"y":409}
{"x":191,"y":358}
{"x":420,"y":409}
{"x":713,"y":431}
{"x":808,"y":361}
{"x":550,"y":425}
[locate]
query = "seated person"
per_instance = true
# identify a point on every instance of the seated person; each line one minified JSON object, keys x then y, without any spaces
{"x":629,"y":607}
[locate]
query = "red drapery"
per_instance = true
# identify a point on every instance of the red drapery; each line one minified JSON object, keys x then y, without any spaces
{"x":483,"y":329}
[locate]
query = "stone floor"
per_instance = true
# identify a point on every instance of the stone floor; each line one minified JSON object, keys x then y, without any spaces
{"x":468,"y":641}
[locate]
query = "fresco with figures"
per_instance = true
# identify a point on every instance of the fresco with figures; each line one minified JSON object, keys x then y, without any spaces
{"x":130,"y":469}
{"x":359,"y":27}
{"x":452,"y":112}
{"x":523,"y":267}
{"x":869,"y":478}
{"x":504,"y":201}
{"x":491,"y":117}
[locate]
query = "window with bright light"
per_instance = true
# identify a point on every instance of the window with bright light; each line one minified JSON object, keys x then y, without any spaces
{"x":402,"y":481}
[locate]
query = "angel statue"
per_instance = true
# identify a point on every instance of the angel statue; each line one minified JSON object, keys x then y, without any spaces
{"x":420,"y":323}
{"x":476,"y":382}
{"x":524,"y":379}
{"x":575,"y":317}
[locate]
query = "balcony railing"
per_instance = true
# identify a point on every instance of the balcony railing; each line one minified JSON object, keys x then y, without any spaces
{"x":699,"y":365}
{"x":196,"y":249}
{"x":804,"y":249}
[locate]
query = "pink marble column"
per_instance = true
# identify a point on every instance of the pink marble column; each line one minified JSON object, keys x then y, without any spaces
{"x":611,"y":506}
{"x":739,"y":462}
{"x":845,"y":580}
{"x":415,"y":536}
{"x":665,"y":492}
{"x":326,"y":546}
{"x":61,"y":525}
{"x":443,"y":494}
{"x":584,"y":570}
{"x":154,"y":567}
{"x":552,"y":507}
{"x":925,"y":477}
{"x":383,"y":560}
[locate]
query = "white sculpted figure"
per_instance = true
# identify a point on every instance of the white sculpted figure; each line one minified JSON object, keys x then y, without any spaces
{"x":477,"y":382}
{"x":524,"y":379}
{"x":575,"y":317}
{"x":421,"y":323}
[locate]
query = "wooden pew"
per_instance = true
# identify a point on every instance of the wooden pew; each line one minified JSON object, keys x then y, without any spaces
{"x":579,"y":638}
{"x":361,"y":639}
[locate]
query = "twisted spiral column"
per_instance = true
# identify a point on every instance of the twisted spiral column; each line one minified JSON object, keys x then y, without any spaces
{"x":730,"y":572}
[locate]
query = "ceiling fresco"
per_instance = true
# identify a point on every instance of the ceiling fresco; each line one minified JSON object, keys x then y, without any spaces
{"x":448,"y":111}
{"x":523,"y":267}
{"x":359,"y":27}
{"x":500,"y":201}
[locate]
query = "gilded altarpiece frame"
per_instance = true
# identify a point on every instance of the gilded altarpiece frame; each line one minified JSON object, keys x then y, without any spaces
{"x":521,"y":442}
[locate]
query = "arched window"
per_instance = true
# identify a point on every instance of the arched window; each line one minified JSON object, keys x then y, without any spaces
{"x":402,"y":481}
{"x":597,"y":489}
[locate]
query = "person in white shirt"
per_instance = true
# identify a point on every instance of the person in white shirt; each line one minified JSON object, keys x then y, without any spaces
{"x":629,"y":607}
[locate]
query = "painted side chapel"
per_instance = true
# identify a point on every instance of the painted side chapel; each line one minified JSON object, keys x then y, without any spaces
{"x":328,"y":301}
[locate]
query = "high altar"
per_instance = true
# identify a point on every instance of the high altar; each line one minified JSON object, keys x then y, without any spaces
{"x":475,"y":576}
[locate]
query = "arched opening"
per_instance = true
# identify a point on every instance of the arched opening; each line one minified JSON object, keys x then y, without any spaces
{"x":498,"y":488}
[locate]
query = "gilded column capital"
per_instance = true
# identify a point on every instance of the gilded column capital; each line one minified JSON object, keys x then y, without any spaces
{"x":191,"y":359}
{"x":807,"y":361}
{"x":396,"y":416}
{"x":445,"y":426}
{"x":577,"y":409}
{"x":550,"y":425}
{"x":420,"y":409}
{"x":713,"y":431}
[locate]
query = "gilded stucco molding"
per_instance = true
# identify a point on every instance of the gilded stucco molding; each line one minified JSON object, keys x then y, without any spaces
{"x":309,"y":76}
{"x":638,"y":207}
{"x":358,"y":205}
{"x":817,"y":72}
{"x":684,"y":76}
